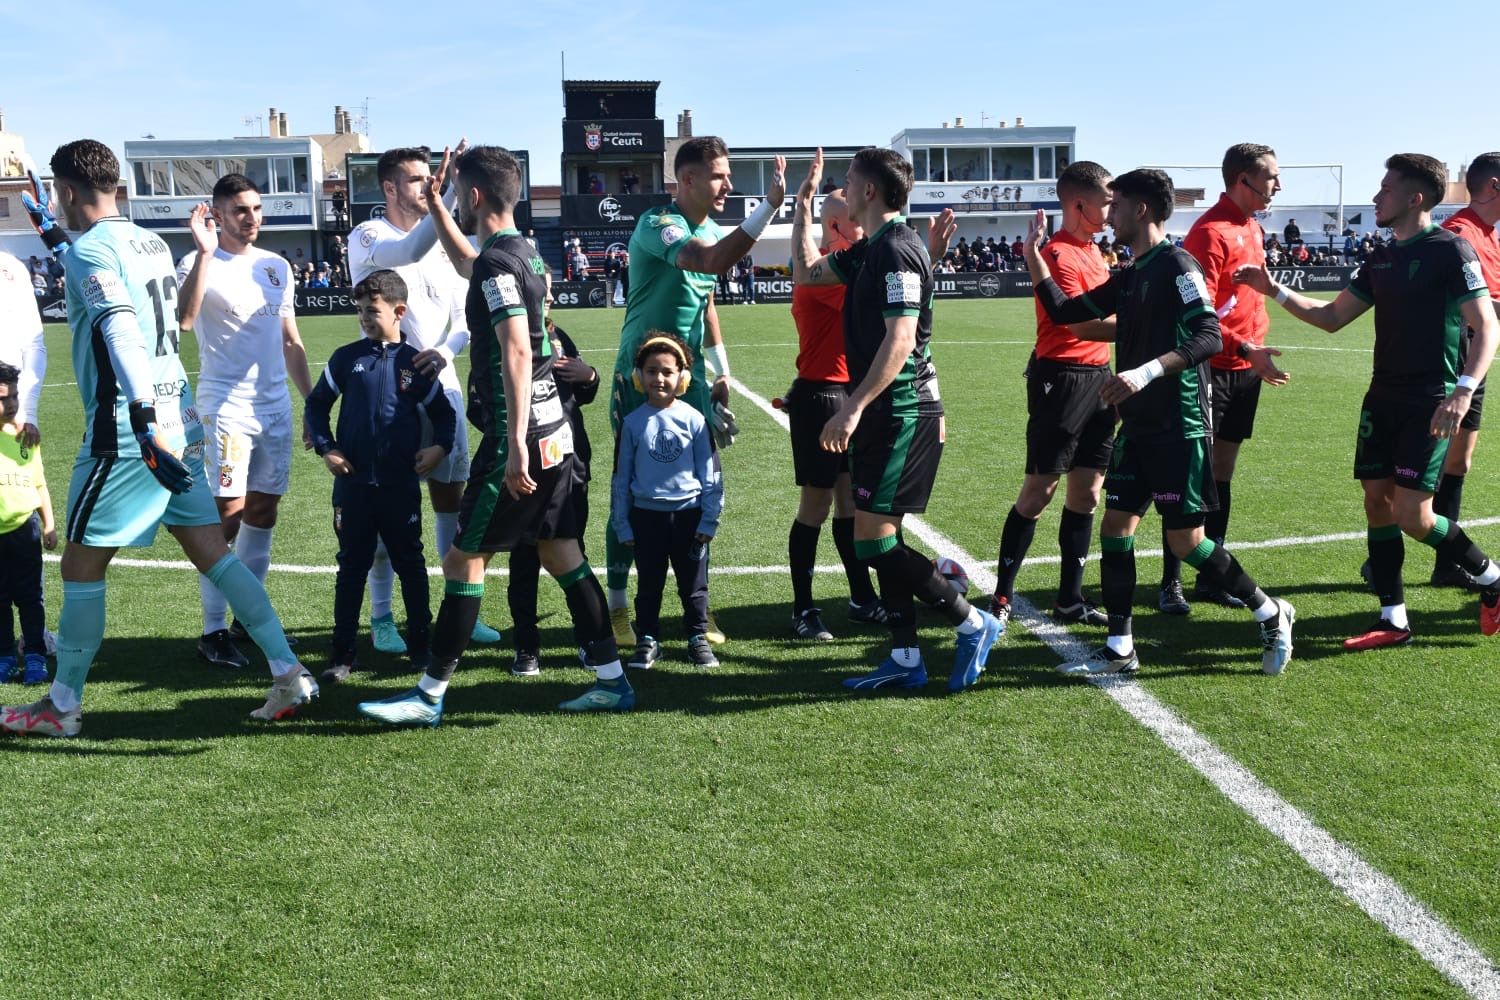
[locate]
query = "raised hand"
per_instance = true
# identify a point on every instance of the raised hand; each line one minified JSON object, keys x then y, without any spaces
{"x":38,"y":205}
{"x":940,"y":230}
{"x":776,"y":194}
{"x":205,"y":231}
{"x":814,"y":176}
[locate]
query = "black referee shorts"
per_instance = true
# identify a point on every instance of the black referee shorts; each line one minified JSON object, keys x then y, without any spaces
{"x":809,"y":405}
{"x":1067,"y":426}
{"x":1233,"y":401}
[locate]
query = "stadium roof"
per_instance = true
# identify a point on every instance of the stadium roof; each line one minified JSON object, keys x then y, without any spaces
{"x":650,"y":85}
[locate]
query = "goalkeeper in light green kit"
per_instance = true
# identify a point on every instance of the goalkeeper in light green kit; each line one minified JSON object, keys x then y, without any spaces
{"x":676,"y":255}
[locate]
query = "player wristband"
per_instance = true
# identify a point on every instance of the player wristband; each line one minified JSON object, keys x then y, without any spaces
{"x":721,"y":359}
{"x":1148,"y":372}
{"x":1468,"y":382}
{"x":1281,"y":294}
{"x":757,"y":221}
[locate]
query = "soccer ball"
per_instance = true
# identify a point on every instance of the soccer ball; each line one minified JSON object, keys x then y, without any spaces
{"x":953,"y":571}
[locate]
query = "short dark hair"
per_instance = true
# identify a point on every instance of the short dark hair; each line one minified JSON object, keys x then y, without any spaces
{"x":703,"y":149}
{"x":9,"y":374}
{"x":385,"y":167}
{"x":232,"y":184}
{"x":1428,"y":173}
{"x":1242,"y":158}
{"x":88,"y":162}
{"x":1080,"y":178}
{"x":1152,"y":188}
{"x":659,"y":342}
{"x":887,"y":170}
{"x":385,"y":284}
{"x":1484,"y":167}
{"x":494,"y":172}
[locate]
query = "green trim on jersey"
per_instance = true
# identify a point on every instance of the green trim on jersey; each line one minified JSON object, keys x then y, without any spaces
{"x":1144,"y":258}
{"x":1417,"y":236}
{"x":899,"y":312}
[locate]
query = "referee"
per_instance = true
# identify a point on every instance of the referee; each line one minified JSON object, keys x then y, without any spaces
{"x":1069,"y":430}
{"x":1224,"y":238}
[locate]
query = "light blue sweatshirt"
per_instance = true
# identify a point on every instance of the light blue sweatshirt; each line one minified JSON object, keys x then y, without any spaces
{"x":665,"y":463}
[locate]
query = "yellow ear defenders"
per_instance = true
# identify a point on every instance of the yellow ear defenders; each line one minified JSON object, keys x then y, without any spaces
{"x":684,"y":380}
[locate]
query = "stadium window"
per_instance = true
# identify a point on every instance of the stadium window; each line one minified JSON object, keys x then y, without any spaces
{"x":194,"y":178}
{"x":151,"y":178}
{"x":918,"y":164}
{"x":1045,"y":166}
{"x":281,"y":174}
{"x":796,"y":173}
{"x":968,"y":164}
{"x":1063,"y":155}
{"x":1014,"y":163}
{"x":4,"y":208}
{"x":300,"y":174}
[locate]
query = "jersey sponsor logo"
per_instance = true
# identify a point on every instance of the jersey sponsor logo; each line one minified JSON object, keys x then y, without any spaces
{"x":902,"y":287}
{"x":556,"y":446}
{"x":101,"y":287}
{"x":1473,"y":276}
{"x":501,"y":292}
{"x":672,"y":233}
{"x":1191,"y":288}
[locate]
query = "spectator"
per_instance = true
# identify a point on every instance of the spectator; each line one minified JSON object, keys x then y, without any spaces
{"x":35,"y":265}
{"x":625,"y":275}
{"x":531,"y":238}
{"x":596,"y":184}
{"x":747,"y":279}
{"x":1291,"y":233}
{"x":39,"y":283}
{"x":580,"y":262}
{"x":629,"y":180}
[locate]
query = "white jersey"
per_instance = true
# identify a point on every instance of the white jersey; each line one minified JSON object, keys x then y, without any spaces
{"x":246,"y":297}
{"x":435,"y":291}
{"x":21,"y":343}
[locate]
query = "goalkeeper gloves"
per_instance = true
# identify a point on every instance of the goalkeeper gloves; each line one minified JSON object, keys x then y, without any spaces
{"x":38,"y":205}
{"x":723,"y":426}
{"x":165,"y":466}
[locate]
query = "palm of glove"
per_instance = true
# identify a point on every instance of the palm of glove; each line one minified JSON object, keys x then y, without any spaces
{"x":723,"y":426}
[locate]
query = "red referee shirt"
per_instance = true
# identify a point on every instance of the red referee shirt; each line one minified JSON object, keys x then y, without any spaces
{"x":1485,"y":241}
{"x":818,"y":311}
{"x":1223,"y":239}
{"x":1077,"y":266}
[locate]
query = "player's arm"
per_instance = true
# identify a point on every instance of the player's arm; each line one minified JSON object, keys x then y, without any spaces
{"x":1203,"y":342}
{"x":713,"y":348}
{"x":1064,"y":271}
{"x":900,"y":339}
{"x":715,"y":258}
{"x":33,"y":370}
{"x":192,"y":283}
{"x":1095,"y":304}
{"x":461,"y":252}
{"x":584,"y":378}
{"x":44,"y":510}
{"x":1350,"y":304}
{"x":1480,"y":315}
{"x":809,"y":267}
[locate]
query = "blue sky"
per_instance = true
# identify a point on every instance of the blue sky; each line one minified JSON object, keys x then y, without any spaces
{"x":1147,"y":83}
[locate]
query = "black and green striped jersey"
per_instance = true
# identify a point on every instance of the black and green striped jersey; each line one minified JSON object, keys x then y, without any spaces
{"x":1160,"y":305}
{"x":889,"y":274}
{"x":508,"y":280}
{"x":1418,"y":287}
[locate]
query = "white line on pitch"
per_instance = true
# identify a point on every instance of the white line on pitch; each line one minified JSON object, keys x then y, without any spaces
{"x":330,"y":570}
{"x":1373,"y":891}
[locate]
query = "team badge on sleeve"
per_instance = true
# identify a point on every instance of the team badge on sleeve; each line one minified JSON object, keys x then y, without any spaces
{"x":671,"y":234}
{"x":1190,"y":286}
{"x":902,"y":286}
{"x":102,"y":287}
{"x":501,"y":292}
{"x":1473,"y":276}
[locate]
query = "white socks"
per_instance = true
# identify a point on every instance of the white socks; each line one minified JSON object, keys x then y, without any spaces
{"x":381,"y":579}
{"x":618,"y":599}
{"x":431,"y":686}
{"x":609,"y":671}
{"x":906,"y":657}
{"x":1395,"y":614}
{"x":971,"y":624}
{"x":444,"y":531}
{"x":1266,"y":611}
{"x":253,"y":546}
{"x":1121,"y":645}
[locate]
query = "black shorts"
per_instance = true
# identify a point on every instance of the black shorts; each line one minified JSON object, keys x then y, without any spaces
{"x":1172,"y":472}
{"x":809,"y":405}
{"x":1472,"y":419}
{"x":1067,"y":427}
{"x":1233,"y":402}
{"x":893,"y":462}
{"x":1395,"y":442}
{"x":491,"y":520}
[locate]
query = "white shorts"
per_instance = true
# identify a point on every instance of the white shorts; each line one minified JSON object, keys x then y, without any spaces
{"x":248,"y":454}
{"x":454,"y":468}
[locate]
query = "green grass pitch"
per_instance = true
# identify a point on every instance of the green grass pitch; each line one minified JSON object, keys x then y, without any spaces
{"x":753,"y":830}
